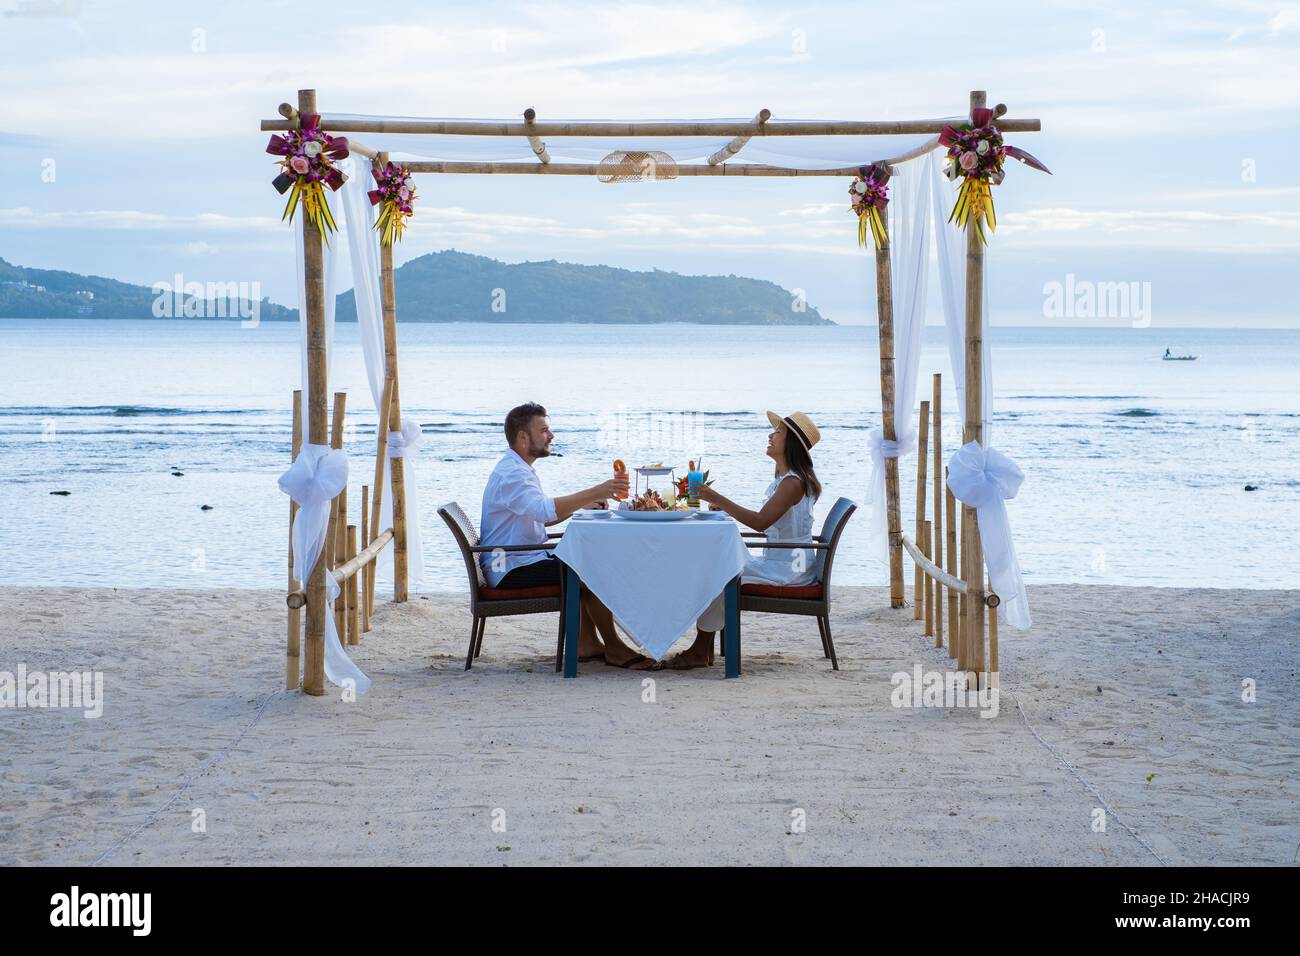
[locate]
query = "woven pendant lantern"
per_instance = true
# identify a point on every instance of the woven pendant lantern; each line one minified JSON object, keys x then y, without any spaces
{"x":625,"y":166}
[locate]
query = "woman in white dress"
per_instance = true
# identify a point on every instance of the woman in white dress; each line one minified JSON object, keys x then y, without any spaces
{"x":786,"y":515}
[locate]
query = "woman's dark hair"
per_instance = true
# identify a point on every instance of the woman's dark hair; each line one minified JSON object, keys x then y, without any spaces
{"x":800,"y":462}
{"x":519,"y":418}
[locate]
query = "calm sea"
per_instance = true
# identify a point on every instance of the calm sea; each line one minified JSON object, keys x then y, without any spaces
{"x":1135,"y":468}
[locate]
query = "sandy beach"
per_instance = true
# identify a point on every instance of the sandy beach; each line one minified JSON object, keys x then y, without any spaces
{"x":1136,"y":694}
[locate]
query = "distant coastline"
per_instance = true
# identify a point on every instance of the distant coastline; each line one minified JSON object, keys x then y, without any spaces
{"x":440,"y":287}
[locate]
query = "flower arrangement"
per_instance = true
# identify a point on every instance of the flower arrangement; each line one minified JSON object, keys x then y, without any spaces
{"x":309,"y":154}
{"x":975,"y":153}
{"x":394,"y":196}
{"x":868,"y":196}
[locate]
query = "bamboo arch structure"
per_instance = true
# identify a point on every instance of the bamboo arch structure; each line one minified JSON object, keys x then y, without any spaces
{"x":963,"y":578}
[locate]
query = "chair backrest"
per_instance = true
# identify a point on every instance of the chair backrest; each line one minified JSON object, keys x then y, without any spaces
{"x":832,"y":528}
{"x":463,"y":530}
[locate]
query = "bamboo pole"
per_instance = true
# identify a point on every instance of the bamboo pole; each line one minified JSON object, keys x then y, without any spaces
{"x":539,"y":148}
{"x":396,"y":469}
{"x":885,"y":327}
{"x":368,"y":570}
{"x":922,"y":453}
{"x":293,"y":656}
{"x":381,"y":456}
{"x":738,"y":142}
{"x":954,"y":618}
{"x":683,"y":170}
{"x":345,"y":571}
{"x":974,"y":425}
{"x":313,"y":681}
{"x":993,"y":642}
{"x":936,"y":414}
{"x":927,"y":583}
{"x":933,"y":570}
{"x":716,"y":128}
{"x":335,"y":537}
{"x":354,"y":612}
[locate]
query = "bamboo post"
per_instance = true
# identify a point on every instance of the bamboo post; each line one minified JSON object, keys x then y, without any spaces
{"x":368,"y":570}
{"x":922,"y":446}
{"x":396,"y":470}
{"x":885,"y":326}
{"x":954,"y":618}
{"x":937,"y":537}
{"x":927,"y":583}
{"x":313,"y":681}
{"x":381,"y":456}
{"x":972,"y":549}
{"x":993,"y":644}
{"x":354,"y":612}
{"x":335,"y":537}
{"x":293,"y":657}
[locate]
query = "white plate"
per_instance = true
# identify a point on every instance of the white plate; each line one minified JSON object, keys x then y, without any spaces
{"x":587,"y":514}
{"x":631,"y":515}
{"x":713,"y":515}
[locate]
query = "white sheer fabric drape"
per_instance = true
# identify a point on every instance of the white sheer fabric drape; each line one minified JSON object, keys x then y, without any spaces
{"x":318,"y":474}
{"x":978,"y":474}
{"x":363,"y":247}
{"x":950,"y":244}
{"x":909,"y":244}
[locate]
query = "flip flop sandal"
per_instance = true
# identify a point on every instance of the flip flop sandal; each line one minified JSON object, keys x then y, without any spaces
{"x":591,"y":657}
{"x":678,"y":663}
{"x":631,"y":662}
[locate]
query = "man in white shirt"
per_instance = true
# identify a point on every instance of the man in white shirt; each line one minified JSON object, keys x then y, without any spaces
{"x":517,"y":511}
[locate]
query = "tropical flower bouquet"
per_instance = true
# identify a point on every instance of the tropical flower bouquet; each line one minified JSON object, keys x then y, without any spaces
{"x":394,"y":196}
{"x":975,"y":154}
{"x":309,"y":154}
{"x":868,"y":196}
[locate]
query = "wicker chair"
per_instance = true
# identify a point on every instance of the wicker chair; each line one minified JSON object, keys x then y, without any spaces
{"x":811,"y":600}
{"x":486,"y":602}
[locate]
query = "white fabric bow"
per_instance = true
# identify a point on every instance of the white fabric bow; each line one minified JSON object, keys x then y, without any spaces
{"x":401,"y":444}
{"x":985,"y":479}
{"x":316,"y":476}
{"x":880,"y":448}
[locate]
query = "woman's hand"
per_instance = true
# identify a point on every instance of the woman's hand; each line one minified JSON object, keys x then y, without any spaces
{"x":706,"y":493}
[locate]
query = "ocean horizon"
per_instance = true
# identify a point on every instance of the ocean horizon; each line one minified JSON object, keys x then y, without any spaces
{"x":1136,"y":469}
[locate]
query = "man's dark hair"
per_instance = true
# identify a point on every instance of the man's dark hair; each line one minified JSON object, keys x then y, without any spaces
{"x":519,"y":418}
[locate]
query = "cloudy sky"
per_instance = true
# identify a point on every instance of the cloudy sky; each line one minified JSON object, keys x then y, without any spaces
{"x":129,"y":142}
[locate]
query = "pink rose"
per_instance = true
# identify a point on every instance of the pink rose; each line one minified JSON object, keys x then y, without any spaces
{"x":300,"y":165}
{"x":969,"y":161}
{"x":404,"y":193}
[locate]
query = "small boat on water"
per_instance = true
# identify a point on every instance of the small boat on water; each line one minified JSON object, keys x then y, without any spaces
{"x":1169,"y":356}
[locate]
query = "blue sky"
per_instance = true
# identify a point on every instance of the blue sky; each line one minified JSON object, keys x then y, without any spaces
{"x":1172,"y":131}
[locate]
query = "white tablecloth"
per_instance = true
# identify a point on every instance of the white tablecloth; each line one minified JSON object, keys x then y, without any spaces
{"x":655,"y":577}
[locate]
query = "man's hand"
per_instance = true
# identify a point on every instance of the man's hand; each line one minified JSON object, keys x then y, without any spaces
{"x":618,"y":485}
{"x":592,"y":497}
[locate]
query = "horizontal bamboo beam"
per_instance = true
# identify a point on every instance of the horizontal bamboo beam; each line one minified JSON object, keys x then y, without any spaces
{"x":594,"y":169}
{"x":732,"y":148}
{"x":942,"y":576}
{"x":678,"y":128}
{"x":296,"y":599}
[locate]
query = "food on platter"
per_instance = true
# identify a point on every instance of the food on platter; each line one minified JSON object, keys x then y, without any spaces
{"x":649,"y":501}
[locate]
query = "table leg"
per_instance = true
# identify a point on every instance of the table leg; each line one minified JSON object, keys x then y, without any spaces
{"x":572,"y":620}
{"x":731,"y":636}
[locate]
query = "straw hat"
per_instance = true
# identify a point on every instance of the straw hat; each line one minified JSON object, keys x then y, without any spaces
{"x":800,"y":425}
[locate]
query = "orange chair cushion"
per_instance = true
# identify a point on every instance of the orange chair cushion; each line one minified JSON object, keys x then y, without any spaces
{"x":798,"y":592}
{"x":486,"y":593}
